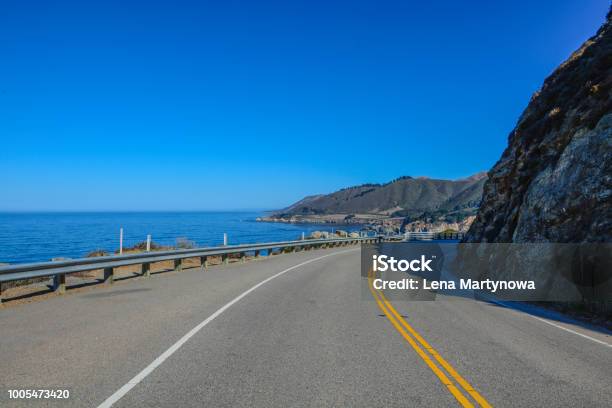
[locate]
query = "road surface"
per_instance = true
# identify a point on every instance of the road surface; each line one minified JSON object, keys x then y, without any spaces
{"x":291,"y":331}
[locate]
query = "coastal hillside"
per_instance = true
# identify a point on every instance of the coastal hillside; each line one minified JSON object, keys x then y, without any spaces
{"x":553,"y":182}
{"x":405,"y":197}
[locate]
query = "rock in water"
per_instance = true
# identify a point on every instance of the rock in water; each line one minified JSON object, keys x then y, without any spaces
{"x":553,"y":182}
{"x":316,"y":235}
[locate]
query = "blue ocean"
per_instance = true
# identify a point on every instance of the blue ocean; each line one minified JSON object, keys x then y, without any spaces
{"x":34,"y":237}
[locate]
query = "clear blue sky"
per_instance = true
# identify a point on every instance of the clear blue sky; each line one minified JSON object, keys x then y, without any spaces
{"x":230,"y":105}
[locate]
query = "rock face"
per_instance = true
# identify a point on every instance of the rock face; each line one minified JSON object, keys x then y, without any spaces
{"x":553,"y":182}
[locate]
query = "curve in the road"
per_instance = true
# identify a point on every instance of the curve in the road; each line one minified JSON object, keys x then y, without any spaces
{"x":117,"y":395}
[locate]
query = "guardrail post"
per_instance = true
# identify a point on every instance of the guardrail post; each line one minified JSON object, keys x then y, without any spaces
{"x":109,"y":275}
{"x":204,"y":262}
{"x":257,"y":254}
{"x":270,"y":251}
{"x":146,"y":269}
{"x":242,"y":257}
{"x":120,"y":241}
{"x":178,"y":265}
{"x":225,"y":259}
{"x":59,"y":283}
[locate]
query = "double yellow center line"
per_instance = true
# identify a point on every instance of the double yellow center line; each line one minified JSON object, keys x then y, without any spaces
{"x":426,"y":352}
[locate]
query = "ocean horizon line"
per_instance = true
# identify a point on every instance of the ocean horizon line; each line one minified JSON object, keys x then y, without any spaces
{"x":68,"y":211}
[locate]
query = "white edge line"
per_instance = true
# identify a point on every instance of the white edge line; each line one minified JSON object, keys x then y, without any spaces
{"x":572,"y":331}
{"x":553,"y":324}
{"x":166,"y":354}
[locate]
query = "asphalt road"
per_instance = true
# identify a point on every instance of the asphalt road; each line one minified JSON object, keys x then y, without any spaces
{"x":306,"y":337}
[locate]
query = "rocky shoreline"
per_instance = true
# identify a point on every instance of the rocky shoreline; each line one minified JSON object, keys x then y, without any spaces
{"x":375,"y":222}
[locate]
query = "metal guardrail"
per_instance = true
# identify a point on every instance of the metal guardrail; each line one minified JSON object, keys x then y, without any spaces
{"x":425,"y":236}
{"x":409,"y":236}
{"x":59,"y":269}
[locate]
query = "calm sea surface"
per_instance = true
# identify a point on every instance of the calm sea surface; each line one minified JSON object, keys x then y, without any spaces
{"x":33,"y":237}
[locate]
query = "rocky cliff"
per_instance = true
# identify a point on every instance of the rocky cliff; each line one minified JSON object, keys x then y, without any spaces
{"x":553,"y":182}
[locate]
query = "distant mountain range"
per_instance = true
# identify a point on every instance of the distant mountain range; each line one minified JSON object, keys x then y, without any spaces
{"x":408,"y":197}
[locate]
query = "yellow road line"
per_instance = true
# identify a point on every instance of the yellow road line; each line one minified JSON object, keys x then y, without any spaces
{"x":466,"y":385}
{"x":436,"y":370}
